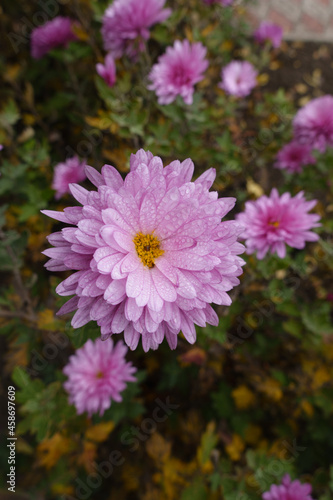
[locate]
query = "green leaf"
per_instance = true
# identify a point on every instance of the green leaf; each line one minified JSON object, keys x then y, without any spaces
{"x":10,"y":114}
{"x":196,"y":491}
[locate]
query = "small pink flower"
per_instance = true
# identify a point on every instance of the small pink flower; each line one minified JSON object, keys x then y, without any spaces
{"x":177,"y":71}
{"x":313,"y":124}
{"x":97,"y":374}
{"x":289,"y":490}
{"x":108,"y":70}
{"x":238,"y":78}
{"x":271,"y":223}
{"x":65,"y":173}
{"x":294,"y":156}
{"x":269,"y":31}
{"x":126,"y":25}
{"x":54,"y":33}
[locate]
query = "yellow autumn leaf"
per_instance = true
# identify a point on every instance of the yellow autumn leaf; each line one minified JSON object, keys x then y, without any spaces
{"x":176,"y":475}
{"x":87,"y":457}
{"x":62,"y":489}
{"x":50,"y":450}
{"x":210,"y":28}
{"x":227,"y":45}
{"x":189,"y":34}
{"x":263,"y":79}
{"x":274,"y":65}
{"x":158,"y":448}
{"x":17,"y":355}
{"x":243,"y":397}
{"x":99,"y":432}
{"x":11,"y":72}
{"x":118,"y":157}
{"x":46,"y":320}
{"x":235,"y":448}
{"x":320,"y":377}
{"x":271,"y":388}
{"x":301,"y":88}
{"x":307,"y":408}
{"x":80,"y":33}
{"x":254,"y":188}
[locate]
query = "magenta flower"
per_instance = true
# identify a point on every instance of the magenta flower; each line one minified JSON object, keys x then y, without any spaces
{"x":54,"y":33}
{"x":294,"y":156}
{"x":238,"y":78}
{"x":126,"y":25}
{"x":150,"y":253}
{"x":97,"y":373}
{"x":66,"y":173}
{"x":177,"y":71}
{"x":273,"y":222}
{"x":108,"y":70}
{"x":269,"y":31}
{"x":313,"y":124}
{"x":289,"y":490}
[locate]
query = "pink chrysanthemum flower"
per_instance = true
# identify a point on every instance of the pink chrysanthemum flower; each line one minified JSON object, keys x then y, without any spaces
{"x":238,"y":78}
{"x":273,"y":222}
{"x":54,"y":33}
{"x":151,"y":252}
{"x":313,"y":124}
{"x":289,"y":490}
{"x":269,"y":31}
{"x":126,"y":24}
{"x":97,"y":374}
{"x":72,"y":170}
{"x":294,"y":156}
{"x":177,"y":71}
{"x":108,"y":70}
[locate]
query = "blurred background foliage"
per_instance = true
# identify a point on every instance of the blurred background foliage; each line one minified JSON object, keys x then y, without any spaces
{"x":253,"y":399}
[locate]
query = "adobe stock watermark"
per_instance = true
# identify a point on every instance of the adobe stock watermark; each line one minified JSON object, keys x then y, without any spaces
{"x":85,"y":147}
{"x":276,"y":468}
{"x":48,"y":10}
{"x":132,"y":438}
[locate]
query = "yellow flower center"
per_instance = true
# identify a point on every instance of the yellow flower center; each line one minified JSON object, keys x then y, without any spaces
{"x":99,"y":374}
{"x":148,"y":248}
{"x":275,"y":224}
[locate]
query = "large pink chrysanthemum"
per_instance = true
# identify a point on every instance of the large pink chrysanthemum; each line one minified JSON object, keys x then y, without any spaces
{"x":273,"y":222}
{"x":126,"y":24}
{"x":54,"y":33}
{"x":97,"y":374}
{"x":151,"y":252}
{"x":269,"y":31}
{"x":72,"y":170}
{"x":294,"y":156}
{"x":177,"y":71}
{"x":238,"y":78}
{"x":289,"y":490}
{"x":313,"y":124}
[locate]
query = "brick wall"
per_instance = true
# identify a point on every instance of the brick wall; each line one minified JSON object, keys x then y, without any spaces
{"x":300,"y":19}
